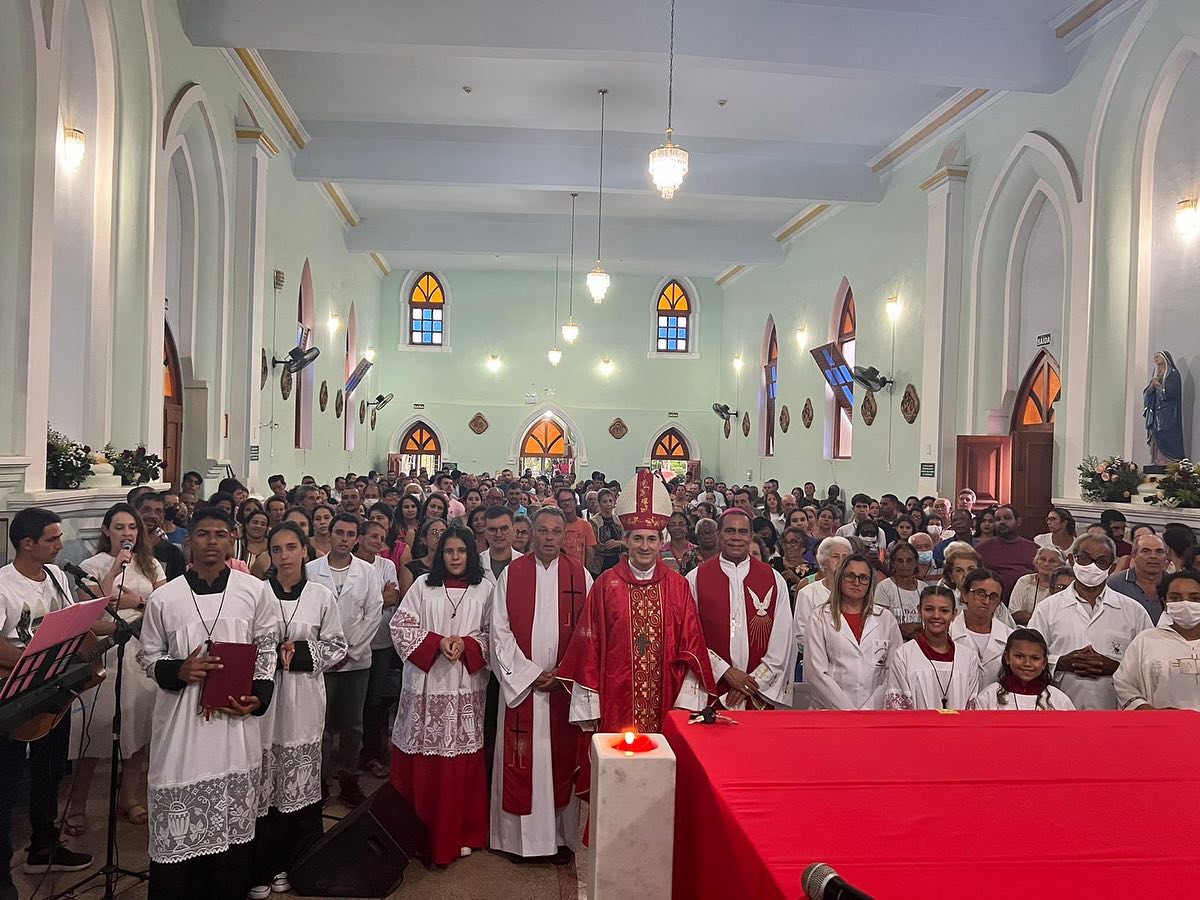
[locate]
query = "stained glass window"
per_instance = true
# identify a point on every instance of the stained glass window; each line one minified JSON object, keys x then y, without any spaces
{"x":1039,"y":393}
{"x":670,"y":445}
{"x":427,"y":306}
{"x":674,"y":317}
{"x":420,"y":449}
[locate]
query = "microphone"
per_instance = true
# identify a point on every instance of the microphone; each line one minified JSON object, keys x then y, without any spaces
{"x":126,"y":545}
{"x":75,"y":571}
{"x":821,"y":882}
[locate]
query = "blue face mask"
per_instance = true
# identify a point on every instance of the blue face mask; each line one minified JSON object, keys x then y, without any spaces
{"x":924,"y":557}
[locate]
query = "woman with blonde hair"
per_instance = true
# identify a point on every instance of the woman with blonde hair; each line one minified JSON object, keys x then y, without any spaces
{"x":849,"y":641}
{"x":961,"y":561}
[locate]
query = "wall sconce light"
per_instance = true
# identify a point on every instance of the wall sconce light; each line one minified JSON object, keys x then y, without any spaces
{"x":892,"y":307}
{"x":74,"y":146}
{"x":369,"y":354}
{"x":606,"y":366}
{"x":1187,"y":218}
{"x":737,"y":362}
{"x":493,"y":363}
{"x":802,"y":336}
{"x":333,"y":324}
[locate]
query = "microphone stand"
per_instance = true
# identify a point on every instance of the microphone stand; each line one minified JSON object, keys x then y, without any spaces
{"x":110,"y":871}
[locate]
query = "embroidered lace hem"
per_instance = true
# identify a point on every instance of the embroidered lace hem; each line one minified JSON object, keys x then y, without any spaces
{"x":203,"y":817}
{"x":439,"y":724}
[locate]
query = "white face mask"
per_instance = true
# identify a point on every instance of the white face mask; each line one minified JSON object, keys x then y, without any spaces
{"x":1090,"y":575}
{"x":1184,"y":613}
{"x":934,"y":530}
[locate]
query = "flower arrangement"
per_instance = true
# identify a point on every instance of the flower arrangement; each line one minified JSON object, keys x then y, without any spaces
{"x":1180,"y":487}
{"x":1110,"y":480}
{"x":67,"y":462}
{"x":134,"y":466}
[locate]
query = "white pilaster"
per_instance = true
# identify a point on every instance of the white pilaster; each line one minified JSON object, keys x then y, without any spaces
{"x":249,"y":291}
{"x":946,"y":191}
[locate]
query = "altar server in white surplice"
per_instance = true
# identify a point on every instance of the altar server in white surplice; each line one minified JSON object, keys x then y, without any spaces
{"x":205,"y":779}
{"x":930,"y":672}
{"x":538,"y":601}
{"x":307,"y":630}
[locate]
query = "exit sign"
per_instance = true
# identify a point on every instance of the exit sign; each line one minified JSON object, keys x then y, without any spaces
{"x":1043,"y":340}
{"x":928,"y":470}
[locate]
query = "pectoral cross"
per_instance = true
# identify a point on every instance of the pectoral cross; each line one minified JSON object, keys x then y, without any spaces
{"x":572,"y":592}
{"x":521,"y":744}
{"x":642,"y":644}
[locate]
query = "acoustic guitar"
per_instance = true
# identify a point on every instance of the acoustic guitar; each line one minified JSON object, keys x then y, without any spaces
{"x":43,"y":723}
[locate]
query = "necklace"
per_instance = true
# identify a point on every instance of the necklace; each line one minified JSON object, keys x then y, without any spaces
{"x":287,"y":620}
{"x":944,"y":688}
{"x":454,"y":606}
{"x":208,"y":630}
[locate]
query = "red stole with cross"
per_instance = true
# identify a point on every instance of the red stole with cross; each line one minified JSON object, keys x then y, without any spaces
{"x":565,"y":738}
{"x":712,"y":590}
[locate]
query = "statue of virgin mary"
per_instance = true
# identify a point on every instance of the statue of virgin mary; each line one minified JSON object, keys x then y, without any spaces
{"x":1162,"y":409}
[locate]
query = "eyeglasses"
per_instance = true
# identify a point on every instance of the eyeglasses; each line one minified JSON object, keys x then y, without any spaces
{"x":1104,"y":562}
{"x":855,"y":578}
{"x":981,"y":594}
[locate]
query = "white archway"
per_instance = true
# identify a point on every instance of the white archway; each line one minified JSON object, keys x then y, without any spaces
{"x":569,"y":425}
{"x":688,"y":435}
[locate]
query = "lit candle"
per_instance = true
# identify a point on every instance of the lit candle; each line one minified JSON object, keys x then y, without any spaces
{"x":632,"y":742}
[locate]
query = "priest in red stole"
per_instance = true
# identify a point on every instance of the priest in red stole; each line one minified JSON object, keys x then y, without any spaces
{"x":537,"y":603}
{"x":747,"y":620}
{"x":639,"y":650}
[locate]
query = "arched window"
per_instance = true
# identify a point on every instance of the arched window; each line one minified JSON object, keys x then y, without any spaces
{"x":671,"y":452}
{"x":545,"y":448}
{"x":1039,"y":392}
{"x":845,"y":337}
{"x":770,"y":389}
{"x":426,"y":312}
{"x":420,"y":449}
{"x":674,"y":319}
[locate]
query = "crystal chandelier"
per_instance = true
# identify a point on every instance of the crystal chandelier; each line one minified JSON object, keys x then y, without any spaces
{"x":597,"y":279}
{"x":570,"y":331}
{"x":669,"y":163}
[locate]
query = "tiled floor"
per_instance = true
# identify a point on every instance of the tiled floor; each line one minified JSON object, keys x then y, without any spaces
{"x":482,"y":876}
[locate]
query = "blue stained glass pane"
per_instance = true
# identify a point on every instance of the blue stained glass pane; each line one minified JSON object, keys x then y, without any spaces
{"x":671,"y":345}
{"x":849,"y":392}
{"x":828,"y":357}
{"x":846,"y":376}
{"x":437,"y":326}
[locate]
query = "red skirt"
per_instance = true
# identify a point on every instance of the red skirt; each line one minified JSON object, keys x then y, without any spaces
{"x":450,"y":794}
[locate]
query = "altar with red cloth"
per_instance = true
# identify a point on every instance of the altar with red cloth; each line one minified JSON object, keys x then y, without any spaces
{"x":925,"y":805}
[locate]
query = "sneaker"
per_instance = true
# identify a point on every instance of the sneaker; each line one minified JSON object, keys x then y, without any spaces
{"x":350,"y":792}
{"x":259,"y":892}
{"x":57,"y":859}
{"x":280,"y":883}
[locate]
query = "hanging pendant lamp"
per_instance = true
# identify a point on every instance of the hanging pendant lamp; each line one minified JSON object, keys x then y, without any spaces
{"x":669,"y":163}
{"x":554,"y":354}
{"x":570,"y":331}
{"x":597,"y":279}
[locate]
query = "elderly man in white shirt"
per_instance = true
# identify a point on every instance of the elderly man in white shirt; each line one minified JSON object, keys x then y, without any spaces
{"x":1161,"y":668}
{"x":1089,"y":626}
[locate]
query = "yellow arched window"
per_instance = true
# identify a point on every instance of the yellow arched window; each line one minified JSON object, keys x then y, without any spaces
{"x":545,"y":448}
{"x":1039,"y":392}
{"x":427,"y":312}
{"x":420,"y":449}
{"x":671,"y":445}
{"x":674,"y":319}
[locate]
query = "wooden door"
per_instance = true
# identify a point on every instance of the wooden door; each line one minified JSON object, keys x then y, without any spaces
{"x":984,"y":465}
{"x":1032,"y":477}
{"x":172,"y":412}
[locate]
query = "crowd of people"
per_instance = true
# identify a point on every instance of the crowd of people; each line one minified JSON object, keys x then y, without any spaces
{"x":460,"y":634}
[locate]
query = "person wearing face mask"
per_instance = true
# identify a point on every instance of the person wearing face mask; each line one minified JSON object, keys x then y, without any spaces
{"x":927,"y":572}
{"x":1160,"y":667}
{"x":1089,"y":626}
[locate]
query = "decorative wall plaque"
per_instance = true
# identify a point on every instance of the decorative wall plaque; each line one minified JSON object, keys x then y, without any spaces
{"x":745,"y":424}
{"x":478,"y":423}
{"x":339,"y":403}
{"x":910,"y":404}
{"x":285,"y":384}
{"x":728,"y":429}
{"x":324,"y":395}
{"x":869,"y":409}
{"x":374,"y":417}
{"x":618,"y":429}
{"x":806,"y":414}
{"x":362,"y":411}
{"x":785,"y":419}
{"x":264,"y":371}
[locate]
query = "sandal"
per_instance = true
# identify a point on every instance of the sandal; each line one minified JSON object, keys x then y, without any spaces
{"x":136,"y":814}
{"x":75,"y":824}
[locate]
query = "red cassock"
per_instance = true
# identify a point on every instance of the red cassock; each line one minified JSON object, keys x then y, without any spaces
{"x":636,"y":642}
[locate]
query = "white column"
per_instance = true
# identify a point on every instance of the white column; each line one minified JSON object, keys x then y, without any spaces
{"x":632,"y":820}
{"x":249,"y":291}
{"x":941,"y":363}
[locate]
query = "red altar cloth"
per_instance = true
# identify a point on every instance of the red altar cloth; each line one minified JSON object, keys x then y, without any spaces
{"x":924,"y":805}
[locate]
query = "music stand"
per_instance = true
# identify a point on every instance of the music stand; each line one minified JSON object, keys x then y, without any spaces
{"x":48,"y":654}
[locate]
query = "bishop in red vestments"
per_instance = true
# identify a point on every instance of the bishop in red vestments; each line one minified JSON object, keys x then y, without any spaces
{"x":639,"y":649}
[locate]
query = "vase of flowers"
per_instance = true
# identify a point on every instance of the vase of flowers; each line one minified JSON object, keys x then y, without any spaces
{"x":102,"y":472}
{"x":67,"y":463}
{"x":1110,"y":480}
{"x":135,"y":466}
{"x":1179,"y":488}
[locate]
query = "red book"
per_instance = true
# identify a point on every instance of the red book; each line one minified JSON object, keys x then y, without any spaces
{"x":233,"y":679}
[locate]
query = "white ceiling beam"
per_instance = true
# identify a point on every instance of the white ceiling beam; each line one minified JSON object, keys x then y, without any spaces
{"x":950,"y":46}
{"x":568,"y":160}
{"x":690,"y":246}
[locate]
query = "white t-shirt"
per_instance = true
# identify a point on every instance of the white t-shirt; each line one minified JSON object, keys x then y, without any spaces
{"x":25,"y":602}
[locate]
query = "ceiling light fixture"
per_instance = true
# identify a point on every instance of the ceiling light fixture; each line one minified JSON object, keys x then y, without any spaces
{"x":1187,"y":219}
{"x":597,"y":279}
{"x":493,"y":363}
{"x":570,"y":331}
{"x":369,"y":354}
{"x":892,"y":306}
{"x":74,"y":146}
{"x":737,"y":362}
{"x":554,"y":354}
{"x":802,"y":336}
{"x":606,"y":366}
{"x":333,"y":324}
{"x":669,"y":163}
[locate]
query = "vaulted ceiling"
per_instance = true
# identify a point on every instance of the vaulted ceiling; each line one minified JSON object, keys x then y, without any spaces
{"x":782,"y":104}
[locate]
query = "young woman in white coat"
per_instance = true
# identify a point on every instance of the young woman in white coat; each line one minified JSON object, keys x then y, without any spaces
{"x":1024,"y":682}
{"x":930,"y":672}
{"x":977,"y":632}
{"x":849,"y":642}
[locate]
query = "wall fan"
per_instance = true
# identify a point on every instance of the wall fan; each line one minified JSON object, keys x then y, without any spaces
{"x":724,"y":413}
{"x":297,"y":359}
{"x":871,"y":378}
{"x":380,"y":401}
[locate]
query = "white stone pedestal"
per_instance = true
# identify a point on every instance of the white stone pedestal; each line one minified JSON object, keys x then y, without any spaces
{"x":632,"y":820}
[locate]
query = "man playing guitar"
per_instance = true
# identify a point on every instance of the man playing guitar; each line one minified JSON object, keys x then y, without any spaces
{"x":30,"y":587}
